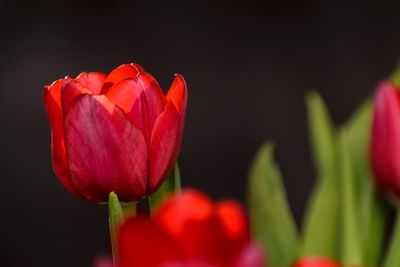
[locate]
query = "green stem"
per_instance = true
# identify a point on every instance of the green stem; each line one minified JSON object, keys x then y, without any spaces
{"x":392,"y":258}
{"x":115,"y":218}
{"x":129,"y":209}
{"x":171,"y":185}
{"x":177,"y":178}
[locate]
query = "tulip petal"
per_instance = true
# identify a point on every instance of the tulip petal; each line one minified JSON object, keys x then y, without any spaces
{"x":183,"y":207}
{"x":127,"y":95}
{"x":141,"y":99}
{"x":234,"y":220}
{"x":163,"y":143}
{"x":105,"y":152}
{"x":143,"y":243}
{"x":70,"y":91}
{"x":206,"y":239}
{"x":122,"y":72}
{"x":52,"y":99}
{"x":92,"y":80}
{"x":385,"y":145}
{"x":190,"y":217}
{"x":153,"y":101}
{"x":177,"y":93}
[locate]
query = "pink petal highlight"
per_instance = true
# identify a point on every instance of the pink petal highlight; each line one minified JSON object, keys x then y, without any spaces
{"x":251,"y":255}
{"x":103,"y":261}
{"x":71,"y":90}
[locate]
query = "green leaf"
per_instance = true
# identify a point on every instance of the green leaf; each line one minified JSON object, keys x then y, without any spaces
{"x":115,"y":218}
{"x":373,"y":210}
{"x":392,"y":258}
{"x":172,"y":184}
{"x":321,"y":222}
{"x":395,"y":75}
{"x":177,"y":178}
{"x":270,"y":215}
{"x":373,"y":230}
{"x":358,"y":136}
{"x":322,"y":132}
{"x":350,"y":252}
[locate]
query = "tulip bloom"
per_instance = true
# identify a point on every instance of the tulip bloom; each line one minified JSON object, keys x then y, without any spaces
{"x":316,"y":262}
{"x":188,"y":230}
{"x":385,"y":138}
{"x":115,"y":132}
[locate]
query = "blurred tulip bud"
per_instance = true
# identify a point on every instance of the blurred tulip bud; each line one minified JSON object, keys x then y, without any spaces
{"x":385,"y":138}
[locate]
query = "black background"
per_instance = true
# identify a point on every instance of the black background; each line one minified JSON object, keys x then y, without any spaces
{"x":248,"y":65}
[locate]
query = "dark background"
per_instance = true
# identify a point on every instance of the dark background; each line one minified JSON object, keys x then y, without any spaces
{"x":248,"y":65}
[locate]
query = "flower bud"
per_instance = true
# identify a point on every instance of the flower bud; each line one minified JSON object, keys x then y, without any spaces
{"x":385,"y":138}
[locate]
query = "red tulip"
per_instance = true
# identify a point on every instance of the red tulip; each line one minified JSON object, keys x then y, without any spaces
{"x":114,"y":133}
{"x":316,"y":262}
{"x":188,"y":230}
{"x":385,"y":139}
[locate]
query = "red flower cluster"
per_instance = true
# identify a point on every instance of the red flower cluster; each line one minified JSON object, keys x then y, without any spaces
{"x":188,"y":230}
{"x":385,"y":139}
{"x":115,"y":132}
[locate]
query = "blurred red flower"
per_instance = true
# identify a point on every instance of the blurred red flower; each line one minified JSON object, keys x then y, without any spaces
{"x":316,"y":262}
{"x":115,"y":132}
{"x":385,"y":138}
{"x":103,"y":261}
{"x":188,"y":230}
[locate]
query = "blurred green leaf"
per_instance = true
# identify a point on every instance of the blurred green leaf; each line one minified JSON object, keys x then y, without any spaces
{"x":270,"y":215}
{"x":172,"y":184}
{"x":322,"y":133}
{"x":321,"y":221}
{"x":358,"y":135}
{"x":395,"y":75}
{"x":373,"y":210}
{"x":392,"y":257}
{"x":350,"y":252}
